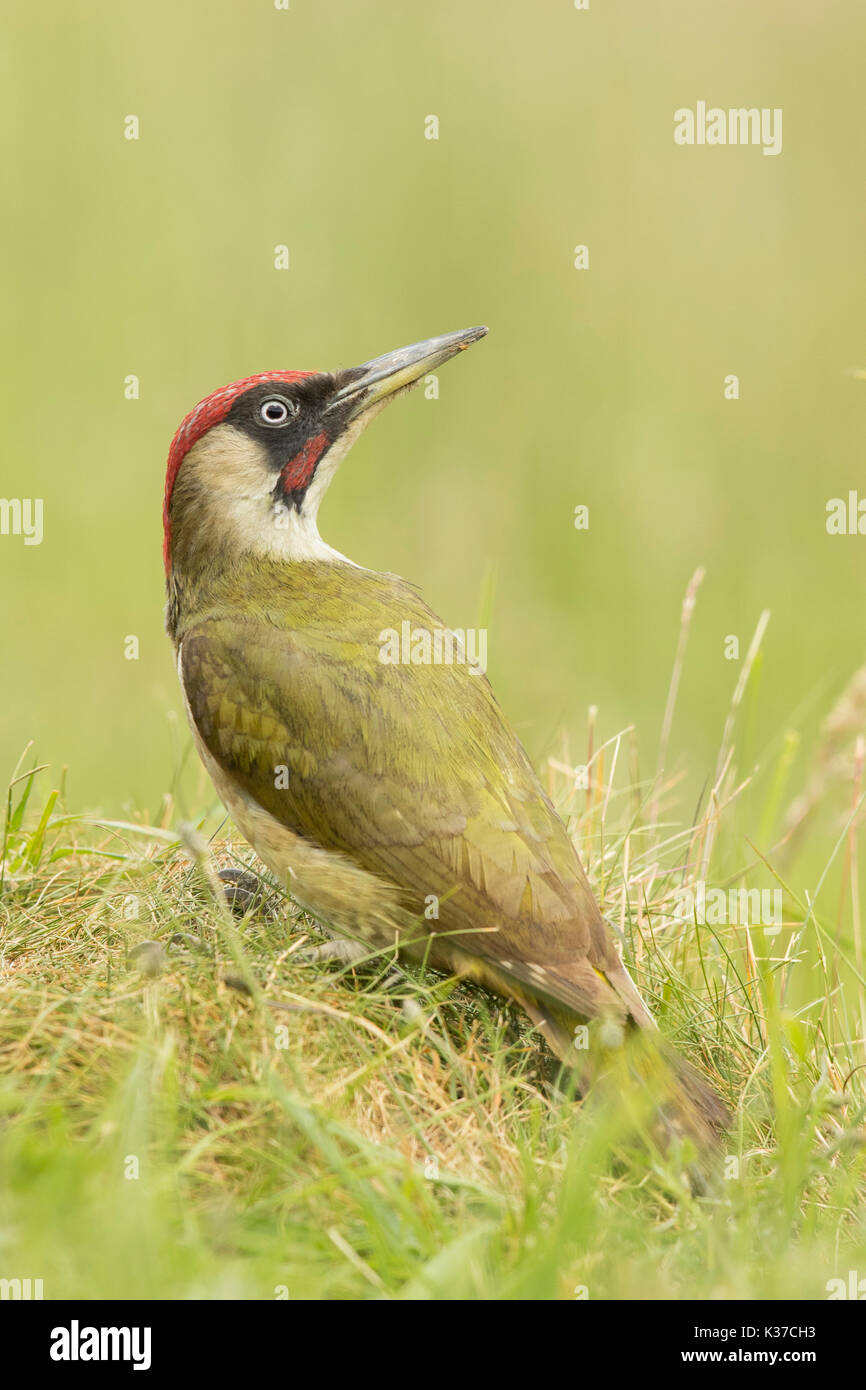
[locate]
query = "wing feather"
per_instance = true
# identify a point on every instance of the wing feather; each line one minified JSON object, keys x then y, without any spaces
{"x":411,"y":771}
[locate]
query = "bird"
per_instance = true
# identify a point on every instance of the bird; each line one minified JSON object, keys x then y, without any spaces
{"x":390,"y":797}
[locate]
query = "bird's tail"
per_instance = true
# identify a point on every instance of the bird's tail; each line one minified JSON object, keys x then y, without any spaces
{"x":667,"y":1096}
{"x":685,"y":1104}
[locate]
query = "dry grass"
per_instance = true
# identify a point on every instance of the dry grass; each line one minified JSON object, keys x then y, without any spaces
{"x":382,"y":1132}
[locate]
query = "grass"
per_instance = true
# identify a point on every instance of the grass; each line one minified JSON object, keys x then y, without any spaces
{"x":214,"y":1117}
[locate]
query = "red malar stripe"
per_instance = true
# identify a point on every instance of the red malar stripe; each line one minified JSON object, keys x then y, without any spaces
{"x":299,"y":470}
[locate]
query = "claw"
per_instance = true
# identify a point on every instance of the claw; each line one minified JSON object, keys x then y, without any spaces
{"x":245,"y":893}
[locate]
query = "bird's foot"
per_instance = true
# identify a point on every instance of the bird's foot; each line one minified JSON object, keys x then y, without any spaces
{"x":245,"y":893}
{"x":340,"y":949}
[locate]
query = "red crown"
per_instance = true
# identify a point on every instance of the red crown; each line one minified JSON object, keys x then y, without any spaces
{"x":200,"y":419}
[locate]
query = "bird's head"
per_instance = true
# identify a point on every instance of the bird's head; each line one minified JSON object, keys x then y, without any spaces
{"x":250,"y":464}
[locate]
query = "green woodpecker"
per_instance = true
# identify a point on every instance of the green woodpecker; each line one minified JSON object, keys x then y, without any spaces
{"x":371,"y":786}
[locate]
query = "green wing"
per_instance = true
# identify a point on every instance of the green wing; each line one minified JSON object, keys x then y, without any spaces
{"x":409,"y":770}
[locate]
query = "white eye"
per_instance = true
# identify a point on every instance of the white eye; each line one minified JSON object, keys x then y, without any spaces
{"x":276,"y":411}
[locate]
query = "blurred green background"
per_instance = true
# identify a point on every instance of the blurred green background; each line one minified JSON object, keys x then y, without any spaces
{"x":603,"y":387}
